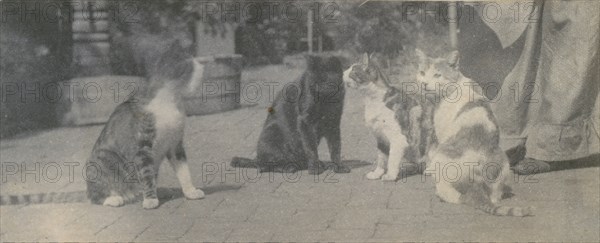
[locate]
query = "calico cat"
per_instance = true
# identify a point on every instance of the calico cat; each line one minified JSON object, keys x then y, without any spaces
{"x":139,"y":135}
{"x":299,"y":118}
{"x":394,"y":121}
{"x":468,"y":138}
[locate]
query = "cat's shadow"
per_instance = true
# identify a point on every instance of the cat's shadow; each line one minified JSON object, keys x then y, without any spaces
{"x":353,"y":164}
{"x":166,"y":194}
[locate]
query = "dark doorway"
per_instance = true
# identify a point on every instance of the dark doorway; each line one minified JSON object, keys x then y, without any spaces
{"x":36,"y":51}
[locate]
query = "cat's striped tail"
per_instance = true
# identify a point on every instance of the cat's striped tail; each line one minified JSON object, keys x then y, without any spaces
{"x":477,"y":197}
{"x":43,"y":198}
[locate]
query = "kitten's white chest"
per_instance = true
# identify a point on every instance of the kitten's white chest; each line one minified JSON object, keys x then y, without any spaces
{"x":379,"y":118}
{"x":169,"y":120}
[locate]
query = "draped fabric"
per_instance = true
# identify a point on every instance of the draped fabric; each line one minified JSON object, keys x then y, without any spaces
{"x":546,"y":75}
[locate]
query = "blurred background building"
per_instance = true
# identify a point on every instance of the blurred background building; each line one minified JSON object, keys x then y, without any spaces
{"x":46,"y":43}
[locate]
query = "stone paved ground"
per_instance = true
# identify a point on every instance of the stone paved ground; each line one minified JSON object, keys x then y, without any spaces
{"x":242,"y":205}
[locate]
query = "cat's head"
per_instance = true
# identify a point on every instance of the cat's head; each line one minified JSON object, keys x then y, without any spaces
{"x":323,"y":63}
{"x":434,"y":72}
{"x":363,"y":72}
{"x":177,"y":67}
{"x":327,"y":69}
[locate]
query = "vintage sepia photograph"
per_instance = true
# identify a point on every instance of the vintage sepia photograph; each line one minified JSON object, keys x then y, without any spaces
{"x":299,"y":121}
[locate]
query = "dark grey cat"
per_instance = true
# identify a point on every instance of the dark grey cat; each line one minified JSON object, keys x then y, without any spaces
{"x":301,"y":115}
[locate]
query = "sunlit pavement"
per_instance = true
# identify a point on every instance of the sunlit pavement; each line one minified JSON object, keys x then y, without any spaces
{"x":242,"y":205}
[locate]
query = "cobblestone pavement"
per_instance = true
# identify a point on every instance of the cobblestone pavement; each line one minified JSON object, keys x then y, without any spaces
{"x":242,"y":205}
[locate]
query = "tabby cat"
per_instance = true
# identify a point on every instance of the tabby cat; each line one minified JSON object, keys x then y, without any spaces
{"x":139,"y":135}
{"x":395,"y":122}
{"x":142,"y":132}
{"x":468,"y":139}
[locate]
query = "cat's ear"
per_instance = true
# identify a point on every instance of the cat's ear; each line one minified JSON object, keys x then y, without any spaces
{"x":422,"y":57}
{"x":372,"y":56}
{"x":364,"y":59}
{"x":453,"y":59}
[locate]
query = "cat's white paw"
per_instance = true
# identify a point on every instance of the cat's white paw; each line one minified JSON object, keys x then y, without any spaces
{"x":376,"y":174}
{"x":150,"y":203}
{"x":113,"y":201}
{"x":194,"y":194}
{"x":389,"y":177}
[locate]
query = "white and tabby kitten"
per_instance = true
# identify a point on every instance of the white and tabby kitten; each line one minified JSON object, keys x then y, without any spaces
{"x":468,"y":138}
{"x":392,"y":128}
{"x":142,"y":132}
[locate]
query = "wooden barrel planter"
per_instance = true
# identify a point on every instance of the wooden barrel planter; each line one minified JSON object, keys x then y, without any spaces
{"x":220,"y":88}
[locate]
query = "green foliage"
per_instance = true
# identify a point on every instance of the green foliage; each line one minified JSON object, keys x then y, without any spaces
{"x":375,"y":26}
{"x":390,"y":27}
